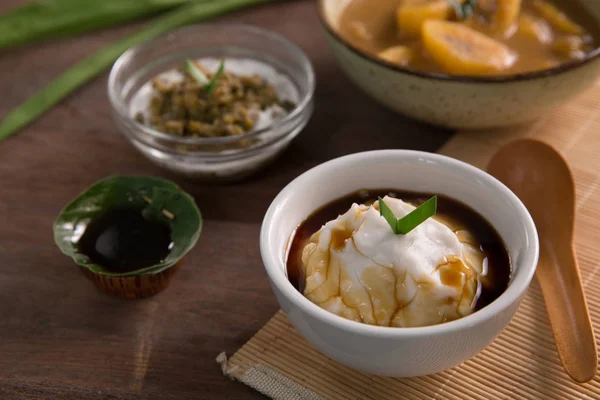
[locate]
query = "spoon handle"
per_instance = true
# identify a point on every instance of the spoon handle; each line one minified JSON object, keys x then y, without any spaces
{"x":560,"y":281}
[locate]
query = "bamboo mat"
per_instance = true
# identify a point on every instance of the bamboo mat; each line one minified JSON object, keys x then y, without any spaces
{"x":522,"y":362}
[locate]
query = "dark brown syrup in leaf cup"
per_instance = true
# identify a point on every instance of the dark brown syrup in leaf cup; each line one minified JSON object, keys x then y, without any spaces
{"x":129,"y":234}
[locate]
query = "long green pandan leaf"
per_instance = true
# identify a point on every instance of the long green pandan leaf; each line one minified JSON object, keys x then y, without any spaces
{"x":79,"y":74}
{"x":48,"y":19}
{"x":151,"y":195}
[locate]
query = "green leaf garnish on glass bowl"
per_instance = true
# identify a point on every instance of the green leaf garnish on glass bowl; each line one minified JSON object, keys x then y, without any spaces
{"x":402,"y":226}
{"x":157,"y":199}
{"x":198,"y":75}
{"x":213,"y":82}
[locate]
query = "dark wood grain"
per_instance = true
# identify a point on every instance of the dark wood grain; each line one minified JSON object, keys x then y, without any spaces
{"x":59,"y":337}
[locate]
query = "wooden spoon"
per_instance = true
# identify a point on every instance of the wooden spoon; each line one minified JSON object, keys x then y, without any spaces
{"x":540,"y":176}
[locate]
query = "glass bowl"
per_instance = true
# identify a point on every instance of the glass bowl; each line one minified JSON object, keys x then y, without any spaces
{"x":218,"y":158}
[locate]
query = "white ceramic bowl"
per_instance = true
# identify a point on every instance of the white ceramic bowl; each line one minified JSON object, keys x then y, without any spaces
{"x":399,"y":352}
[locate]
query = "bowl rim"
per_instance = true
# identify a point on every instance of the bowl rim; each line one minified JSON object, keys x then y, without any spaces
{"x":119,"y":106}
{"x":511,"y":295}
{"x":523,"y":76}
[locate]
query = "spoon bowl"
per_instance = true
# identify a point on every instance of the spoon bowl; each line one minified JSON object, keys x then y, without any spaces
{"x":541,"y":178}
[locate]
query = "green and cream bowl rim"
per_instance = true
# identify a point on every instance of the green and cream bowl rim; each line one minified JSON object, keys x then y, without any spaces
{"x":559,"y":69}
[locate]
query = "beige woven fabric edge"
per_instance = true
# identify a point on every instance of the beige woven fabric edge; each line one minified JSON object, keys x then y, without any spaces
{"x":266,"y":380}
{"x":522,"y":362}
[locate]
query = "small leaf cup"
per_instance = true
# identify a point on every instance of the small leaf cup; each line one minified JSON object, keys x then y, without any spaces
{"x":158,"y":199}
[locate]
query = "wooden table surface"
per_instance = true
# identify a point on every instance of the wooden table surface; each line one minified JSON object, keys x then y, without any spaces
{"x":59,"y":337}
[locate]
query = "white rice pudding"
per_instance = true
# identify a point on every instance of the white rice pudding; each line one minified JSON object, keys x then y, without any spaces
{"x":356,"y":267}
